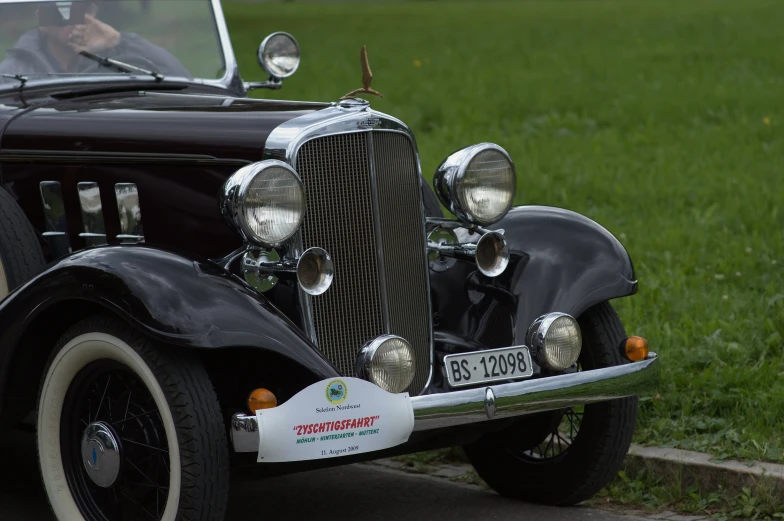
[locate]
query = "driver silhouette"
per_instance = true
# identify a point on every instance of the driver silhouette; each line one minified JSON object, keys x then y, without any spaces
{"x":67,"y":28}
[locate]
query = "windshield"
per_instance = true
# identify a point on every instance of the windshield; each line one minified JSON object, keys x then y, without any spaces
{"x":45,"y":39}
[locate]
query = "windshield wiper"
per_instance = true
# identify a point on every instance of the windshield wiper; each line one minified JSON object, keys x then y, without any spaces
{"x":121,"y":66}
{"x":18,"y":77}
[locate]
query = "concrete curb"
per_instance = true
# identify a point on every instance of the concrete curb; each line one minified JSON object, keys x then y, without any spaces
{"x":697,"y":468}
{"x":673,"y":465}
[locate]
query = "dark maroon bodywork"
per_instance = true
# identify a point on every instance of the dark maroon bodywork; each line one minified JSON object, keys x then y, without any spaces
{"x":179,"y":146}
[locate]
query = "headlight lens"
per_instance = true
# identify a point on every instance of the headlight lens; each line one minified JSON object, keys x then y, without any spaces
{"x":556,"y":340}
{"x":477,"y":183}
{"x":487,"y":189}
{"x":265,"y":201}
{"x":279,"y":55}
{"x":388,"y":361}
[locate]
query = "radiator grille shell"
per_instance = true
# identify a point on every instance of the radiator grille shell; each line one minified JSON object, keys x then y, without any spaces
{"x":364,"y":207}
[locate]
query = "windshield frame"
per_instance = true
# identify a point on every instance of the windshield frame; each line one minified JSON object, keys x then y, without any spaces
{"x":230,"y":80}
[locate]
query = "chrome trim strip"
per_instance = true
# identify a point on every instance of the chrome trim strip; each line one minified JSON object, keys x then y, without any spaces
{"x":55,"y":218}
{"x":339,"y":118}
{"x":382,"y":282}
{"x":130,"y":212}
{"x":92,"y":213}
{"x":346,"y":116}
{"x":436,"y":411}
{"x":296,"y":249}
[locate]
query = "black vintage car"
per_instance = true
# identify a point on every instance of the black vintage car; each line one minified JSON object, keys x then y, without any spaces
{"x":193,"y":281}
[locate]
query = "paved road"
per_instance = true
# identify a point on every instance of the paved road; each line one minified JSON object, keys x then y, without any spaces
{"x":353,"y":493}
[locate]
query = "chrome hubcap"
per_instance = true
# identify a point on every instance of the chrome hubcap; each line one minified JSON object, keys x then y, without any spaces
{"x":101,"y":454}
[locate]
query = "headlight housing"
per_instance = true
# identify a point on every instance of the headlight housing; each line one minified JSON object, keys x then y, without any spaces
{"x":477,"y":183}
{"x":279,"y":55}
{"x":388,"y":361}
{"x":555,"y":340}
{"x":265,"y":202}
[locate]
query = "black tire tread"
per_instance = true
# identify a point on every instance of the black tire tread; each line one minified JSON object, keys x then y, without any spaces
{"x":598,"y":452}
{"x":20,"y":251}
{"x":201,"y":434}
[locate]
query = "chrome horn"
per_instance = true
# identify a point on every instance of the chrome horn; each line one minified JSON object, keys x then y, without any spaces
{"x":490,"y":252}
{"x":314,"y":270}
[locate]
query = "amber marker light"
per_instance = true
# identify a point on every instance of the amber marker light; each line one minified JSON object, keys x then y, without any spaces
{"x":261,"y":398}
{"x":636,"y":348}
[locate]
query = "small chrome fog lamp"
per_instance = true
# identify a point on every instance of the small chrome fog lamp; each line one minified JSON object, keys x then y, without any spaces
{"x":492,"y":254}
{"x":265,"y":202}
{"x":477,"y":183}
{"x":388,"y":361}
{"x":279,"y":55}
{"x":315,"y":271}
{"x":555,"y":340}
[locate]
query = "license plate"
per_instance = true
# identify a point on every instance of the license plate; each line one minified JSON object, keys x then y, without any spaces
{"x":507,"y":363}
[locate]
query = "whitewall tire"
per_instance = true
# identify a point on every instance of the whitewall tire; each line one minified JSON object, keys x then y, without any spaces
{"x":119,"y":418}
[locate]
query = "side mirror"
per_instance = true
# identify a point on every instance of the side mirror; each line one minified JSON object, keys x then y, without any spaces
{"x":279,"y":56}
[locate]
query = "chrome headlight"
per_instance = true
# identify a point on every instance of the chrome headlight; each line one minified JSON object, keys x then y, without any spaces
{"x":279,"y":55}
{"x":477,"y":183}
{"x":265,"y":202}
{"x":556,"y":340}
{"x":388,"y":361}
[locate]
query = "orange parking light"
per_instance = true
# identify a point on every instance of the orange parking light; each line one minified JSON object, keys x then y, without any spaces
{"x":636,"y":348}
{"x":261,"y":398}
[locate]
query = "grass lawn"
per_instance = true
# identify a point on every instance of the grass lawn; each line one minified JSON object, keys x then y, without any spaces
{"x":663,"y":120}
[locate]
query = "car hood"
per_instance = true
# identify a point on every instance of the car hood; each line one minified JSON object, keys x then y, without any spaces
{"x":149,"y":123}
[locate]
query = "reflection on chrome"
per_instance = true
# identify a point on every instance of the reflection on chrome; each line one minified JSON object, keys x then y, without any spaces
{"x":490,"y":252}
{"x":435,"y":411}
{"x":92,"y":214}
{"x":54,"y":215}
{"x":130,"y":213}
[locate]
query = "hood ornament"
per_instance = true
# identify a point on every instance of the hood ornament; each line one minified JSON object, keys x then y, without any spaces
{"x":367,"y":77}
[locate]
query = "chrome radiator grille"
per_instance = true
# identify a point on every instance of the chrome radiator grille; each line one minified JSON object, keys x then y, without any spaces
{"x":364,"y":208}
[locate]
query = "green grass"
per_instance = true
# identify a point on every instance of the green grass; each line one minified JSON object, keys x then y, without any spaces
{"x":651,"y":492}
{"x":662,"y":120}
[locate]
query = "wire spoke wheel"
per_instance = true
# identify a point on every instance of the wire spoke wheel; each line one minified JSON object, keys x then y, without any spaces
{"x":558,"y":441}
{"x":124,"y":474}
{"x":110,"y":408}
{"x":564,"y":431}
{"x":564,"y":456}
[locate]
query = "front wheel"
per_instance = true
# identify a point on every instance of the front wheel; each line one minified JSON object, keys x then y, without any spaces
{"x":566,"y":456}
{"x":129,"y":430}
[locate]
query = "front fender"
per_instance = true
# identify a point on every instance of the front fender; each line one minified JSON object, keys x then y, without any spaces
{"x":559,"y":261}
{"x":169,"y":297}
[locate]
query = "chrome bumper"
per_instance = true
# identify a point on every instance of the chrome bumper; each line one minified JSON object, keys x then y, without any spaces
{"x":434,"y":411}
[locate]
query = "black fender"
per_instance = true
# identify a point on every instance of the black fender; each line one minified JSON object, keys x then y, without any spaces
{"x":169,"y":297}
{"x":559,"y":261}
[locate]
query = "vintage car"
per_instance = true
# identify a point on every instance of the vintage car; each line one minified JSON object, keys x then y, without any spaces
{"x":194,"y":282}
